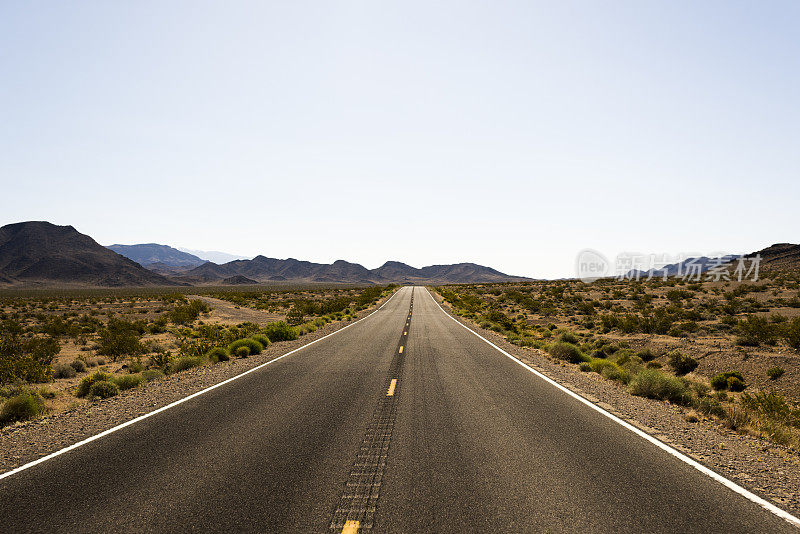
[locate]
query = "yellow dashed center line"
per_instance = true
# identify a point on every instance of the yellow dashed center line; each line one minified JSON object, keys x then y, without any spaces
{"x":401,"y":350}
{"x":390,"y":392}
{"x":350,"y":527}
{"x":405,"y":333}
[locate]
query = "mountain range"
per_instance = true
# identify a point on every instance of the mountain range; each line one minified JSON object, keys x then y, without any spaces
{"x":153,"y":253}
{"x":39,"y":253}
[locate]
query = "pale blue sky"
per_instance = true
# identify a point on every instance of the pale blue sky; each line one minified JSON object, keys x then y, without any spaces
{"x":512,"y":134}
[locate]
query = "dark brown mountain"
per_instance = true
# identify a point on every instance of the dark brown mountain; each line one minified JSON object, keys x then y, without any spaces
{"x":42,"y":253}
{"x":265,"y":270}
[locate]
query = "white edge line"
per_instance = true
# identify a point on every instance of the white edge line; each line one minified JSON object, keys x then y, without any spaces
{"x":783,"y":514}
{"x":179,"y":401}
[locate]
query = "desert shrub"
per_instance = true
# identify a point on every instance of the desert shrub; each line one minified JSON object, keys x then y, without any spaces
{"x":772,"y":406}
{"x":160,"y":360}
{"x":79,"y":365}
{"x":188,"y":312}
{"x":61,"y":370}
{"x":791,"y":332}
{"x":736,"y":418}
{"x":710,"y":406}
{"x":26,"y":360}
{"x":657,"y":385}
{"x":567,"y":351}
{"x":129,"y":381}
{"x":775,"y":373}
{"x":585,"y":367}
{"x":722,"y":381}
{"x":599,"y":364}
{"x":569,"y":337}
{"x":646,"y":355}
{"x":719,"y":382}
{"x":261,"y":338}
{"x":119,"y":338}
{"x":755,"y":330}
{"x":681,"y":363}
{"x":184,"y":362}
{"x":295,"y":316}
{"x":253,"y":346}
{"x":22,"y":407}
{"x":279,"y":331}
{"x":152,"y":374}
{"x":736,"y":384}
{"x":85,"y":385}
{"x":654,"y":365}
{"x":103,"y":389}
{"x":218,"y":354}
{"x":135,"y":366}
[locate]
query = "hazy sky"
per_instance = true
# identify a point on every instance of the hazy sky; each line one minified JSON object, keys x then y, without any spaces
{"x":512,"y":134}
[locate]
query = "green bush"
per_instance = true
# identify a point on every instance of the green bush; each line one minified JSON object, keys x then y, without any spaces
{"x":61,"y":370}
{"x":646,"y":355}
{"x":569,"y":337}
{"x":129,"y":381}
{"x":85,"y":385}
{"x":261,"y":338}
{"x":185,"y":362}
{"x":279,"y":331}
{"x":218,"y":354}
{"x":599,"y":364}
{"x":188,"y":312}
{"x":775,"y":373}
{"x":79,"y":365}
{"x":721,"y":381}
{"x":22,"y":407}
{"x":654,"y":384}
{"x":161,"y":360}
{"x":253,"y":346}
{"x":585,"y":367}
{"x":681,"y":363}
{"x":242,"y":352}
{"x":568,"y":352}
{"x":119,"y":338}
{"x":103,"y":389}
{"x":736,"y":384}
{"x":26,"y":360}
{"x":756,"y":330}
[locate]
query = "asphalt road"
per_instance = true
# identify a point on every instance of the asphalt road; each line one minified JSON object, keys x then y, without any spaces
{"x":448,"y":435}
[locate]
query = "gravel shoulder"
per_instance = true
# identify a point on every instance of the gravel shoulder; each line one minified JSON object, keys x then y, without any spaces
{"x":767,"y":469}
{"x":25,"y":442}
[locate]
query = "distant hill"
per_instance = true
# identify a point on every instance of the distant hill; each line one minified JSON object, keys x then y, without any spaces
{"x":780,"y":256}
{"x":42,"y":253}
{"x":214,"y":255}
{"x":264,"y":270}
{"x":689,"y":266}
{"x":149,"y":253}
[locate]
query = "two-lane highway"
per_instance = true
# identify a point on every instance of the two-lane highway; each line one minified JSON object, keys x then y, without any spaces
{"x":403,"y":422}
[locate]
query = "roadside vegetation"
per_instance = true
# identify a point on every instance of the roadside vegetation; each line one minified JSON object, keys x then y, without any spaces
{"x":95,"y":347}
{"x":728,"y":351}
